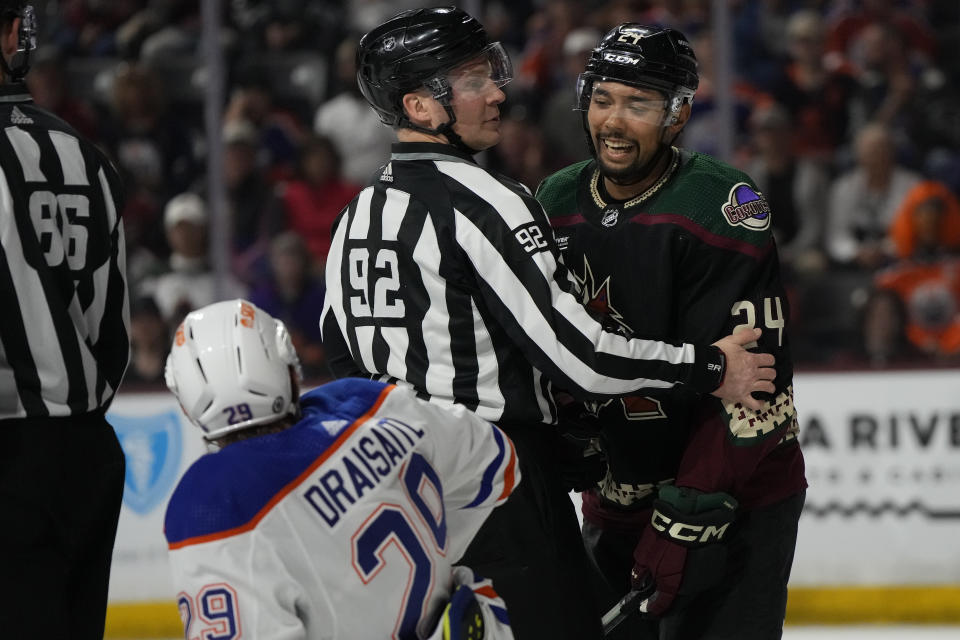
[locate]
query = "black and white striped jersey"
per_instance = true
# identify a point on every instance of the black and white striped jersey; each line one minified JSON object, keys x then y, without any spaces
{"x":64,"y":327}
{"x":446,"y":277}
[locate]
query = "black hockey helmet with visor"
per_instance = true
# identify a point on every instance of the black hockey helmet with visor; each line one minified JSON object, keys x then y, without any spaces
{"x":19,"y":63}
{"x":648,"y":58}
{"x":428,"y":49}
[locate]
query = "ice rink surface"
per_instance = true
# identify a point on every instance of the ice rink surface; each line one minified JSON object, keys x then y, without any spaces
{"x":872,"y":632}
{"x":866,"y":632}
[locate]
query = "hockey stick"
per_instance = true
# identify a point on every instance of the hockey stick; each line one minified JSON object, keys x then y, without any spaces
{"x":630,"y":603}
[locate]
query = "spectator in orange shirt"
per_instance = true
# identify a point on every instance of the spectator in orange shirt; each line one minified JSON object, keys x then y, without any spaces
{"x":926,"y":237}
{"x":927,"y":224}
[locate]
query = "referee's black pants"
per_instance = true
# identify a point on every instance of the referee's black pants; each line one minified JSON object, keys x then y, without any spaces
{"x":532,"y":550}
{"x":61,"y":486}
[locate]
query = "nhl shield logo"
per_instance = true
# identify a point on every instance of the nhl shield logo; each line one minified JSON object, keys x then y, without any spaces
{"x":610,"y":217}
{"x":747,"y":207}
{"x":153,"y":447}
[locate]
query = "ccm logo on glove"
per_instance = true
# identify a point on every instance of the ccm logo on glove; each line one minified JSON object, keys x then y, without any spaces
{"x":683,"y":552}
{"x":683,"y":532}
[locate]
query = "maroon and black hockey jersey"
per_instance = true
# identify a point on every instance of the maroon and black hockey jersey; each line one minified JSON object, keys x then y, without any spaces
{"x":691,"y":258}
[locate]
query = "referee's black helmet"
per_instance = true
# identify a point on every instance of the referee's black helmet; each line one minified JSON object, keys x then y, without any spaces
{"x":415,"y":49}
{"x":11,"y":8}
{"x":19,"y":63}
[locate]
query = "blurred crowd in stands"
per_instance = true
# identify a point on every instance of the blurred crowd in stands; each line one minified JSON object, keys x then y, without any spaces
{"x":846,"y":113}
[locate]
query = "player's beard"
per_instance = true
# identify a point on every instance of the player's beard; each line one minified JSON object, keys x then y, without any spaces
{"x":631,"y":174}
{"x":623,"y":175}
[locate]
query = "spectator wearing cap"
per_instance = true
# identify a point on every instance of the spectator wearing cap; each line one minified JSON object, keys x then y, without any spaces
{"x":189,"y":283}
{"x":559,"y":117}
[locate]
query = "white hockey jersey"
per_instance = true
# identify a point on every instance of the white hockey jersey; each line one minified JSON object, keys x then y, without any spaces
{"x":345,"y":525}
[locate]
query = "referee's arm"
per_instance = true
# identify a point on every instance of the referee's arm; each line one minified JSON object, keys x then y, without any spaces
{"x":508,"y":240}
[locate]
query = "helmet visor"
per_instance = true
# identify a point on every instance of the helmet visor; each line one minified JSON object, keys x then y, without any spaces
{"x":474,"y":79}
{"x":641,"y":104}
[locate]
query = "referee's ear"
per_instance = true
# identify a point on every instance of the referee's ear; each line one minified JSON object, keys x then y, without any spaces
{"x":417,"y":105}
{"x":9,"y":36}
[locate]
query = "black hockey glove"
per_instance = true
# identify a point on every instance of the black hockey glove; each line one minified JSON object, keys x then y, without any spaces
{"x":683,"y":551}
{"x":581,"y":462}
{"x":582,"y":465}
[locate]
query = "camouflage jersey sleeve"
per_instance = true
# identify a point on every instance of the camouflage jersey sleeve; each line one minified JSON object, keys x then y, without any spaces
{"x":731,"y":280}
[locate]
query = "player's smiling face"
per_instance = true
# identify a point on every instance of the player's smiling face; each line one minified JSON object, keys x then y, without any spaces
{"x":625,"y":126}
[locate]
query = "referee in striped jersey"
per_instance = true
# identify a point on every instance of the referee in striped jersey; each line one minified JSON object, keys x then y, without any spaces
{"x":63,"y":351}
{"x":445,"y":277}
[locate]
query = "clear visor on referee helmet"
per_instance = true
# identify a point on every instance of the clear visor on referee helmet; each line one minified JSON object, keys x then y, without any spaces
{"x":488,"y":71}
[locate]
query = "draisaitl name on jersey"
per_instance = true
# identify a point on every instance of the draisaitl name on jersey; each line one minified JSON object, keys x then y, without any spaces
{"x":362,"y":466}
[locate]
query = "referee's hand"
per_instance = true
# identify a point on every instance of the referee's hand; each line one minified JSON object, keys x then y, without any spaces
{"x":745,"y":372}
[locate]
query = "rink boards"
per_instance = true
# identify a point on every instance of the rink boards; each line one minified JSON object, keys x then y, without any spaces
{"x":877,"y":540}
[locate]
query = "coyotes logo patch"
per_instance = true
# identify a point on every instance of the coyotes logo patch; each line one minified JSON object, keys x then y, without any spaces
{"x":596,"y":298}
{"x":746,"y":207}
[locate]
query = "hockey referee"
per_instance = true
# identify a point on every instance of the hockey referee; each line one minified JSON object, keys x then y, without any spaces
{"x":446,"y":278}
{"x":63,"y":350}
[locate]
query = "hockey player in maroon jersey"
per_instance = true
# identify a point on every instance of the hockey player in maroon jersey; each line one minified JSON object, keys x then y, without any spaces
{"x":700,"y":504}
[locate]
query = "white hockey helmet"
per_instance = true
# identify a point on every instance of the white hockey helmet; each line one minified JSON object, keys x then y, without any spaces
{"x":230,"y":368}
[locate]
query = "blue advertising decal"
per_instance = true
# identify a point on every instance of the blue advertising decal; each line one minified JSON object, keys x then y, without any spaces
{"x":153,"y":446}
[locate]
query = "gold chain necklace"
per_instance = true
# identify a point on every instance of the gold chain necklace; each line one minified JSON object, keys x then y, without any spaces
{"x":595,"y":180}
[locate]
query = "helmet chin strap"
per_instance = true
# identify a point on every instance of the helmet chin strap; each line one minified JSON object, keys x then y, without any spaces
{"x":11,"y":75}
{"x":445,"y":129}
{"x":452,"y":136}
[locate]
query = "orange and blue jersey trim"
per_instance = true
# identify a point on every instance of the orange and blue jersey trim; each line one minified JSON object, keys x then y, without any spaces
{"x":506,"y":450}
{"x":234,"y":497}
